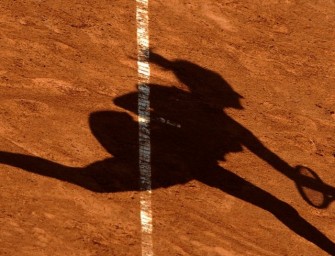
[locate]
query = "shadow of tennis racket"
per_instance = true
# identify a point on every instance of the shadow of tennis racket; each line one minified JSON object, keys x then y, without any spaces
{"x":313,"y":190}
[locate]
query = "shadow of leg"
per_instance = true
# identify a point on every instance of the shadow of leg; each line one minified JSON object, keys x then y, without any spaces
{"x":48,"y":168}
{"x":108,"y":175}
{"x":240,"y":188}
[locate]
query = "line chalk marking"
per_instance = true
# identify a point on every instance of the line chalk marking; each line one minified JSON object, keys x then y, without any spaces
{"x":142,"y":19}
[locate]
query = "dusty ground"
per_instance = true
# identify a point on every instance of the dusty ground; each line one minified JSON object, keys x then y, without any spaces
{"x":225,"y":182}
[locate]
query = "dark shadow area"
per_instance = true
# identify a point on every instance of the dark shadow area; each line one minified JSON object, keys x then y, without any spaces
{"x":190,"y":133}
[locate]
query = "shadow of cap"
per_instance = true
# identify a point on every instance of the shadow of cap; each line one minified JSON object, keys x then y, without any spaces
{"x":205,"y":83}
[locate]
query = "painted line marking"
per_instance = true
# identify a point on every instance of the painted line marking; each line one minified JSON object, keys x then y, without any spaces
{"x":142,"y":19}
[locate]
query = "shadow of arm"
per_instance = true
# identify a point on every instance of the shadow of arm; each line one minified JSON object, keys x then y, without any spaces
{"x":302,"y":180}
{"x":258,"y":148}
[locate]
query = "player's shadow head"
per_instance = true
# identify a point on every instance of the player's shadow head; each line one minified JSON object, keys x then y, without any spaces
{"x":203,"y":83}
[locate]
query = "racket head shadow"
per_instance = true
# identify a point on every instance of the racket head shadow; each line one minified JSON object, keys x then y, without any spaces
{"x":314,"y":197}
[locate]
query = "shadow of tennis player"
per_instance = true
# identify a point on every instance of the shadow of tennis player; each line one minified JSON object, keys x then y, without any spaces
{"x":193,"y":126}
{"x":190,"y":133}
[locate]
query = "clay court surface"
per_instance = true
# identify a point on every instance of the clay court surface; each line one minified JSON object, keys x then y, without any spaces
{"x":241,"y":93}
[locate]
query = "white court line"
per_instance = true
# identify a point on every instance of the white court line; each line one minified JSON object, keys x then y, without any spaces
{"x":144,"y":123}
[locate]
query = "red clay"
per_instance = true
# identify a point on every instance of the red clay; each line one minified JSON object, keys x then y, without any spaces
{"x":251,"y":85}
